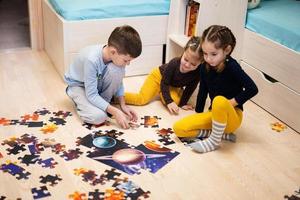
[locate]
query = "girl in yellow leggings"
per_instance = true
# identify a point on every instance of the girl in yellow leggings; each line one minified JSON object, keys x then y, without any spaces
{"x":174,"y":82}
{"x":228,"y":87}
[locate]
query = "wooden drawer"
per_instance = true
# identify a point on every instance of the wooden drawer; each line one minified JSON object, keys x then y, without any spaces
{"x":278,"y":61}
{"x":151,"y":57}
{"x":276,"y":98}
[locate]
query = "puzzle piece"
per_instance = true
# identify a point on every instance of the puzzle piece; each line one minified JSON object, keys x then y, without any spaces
{"x":11,"y":142}
{"x":77,"y":196}
{"x":35,"y":124}
{"x":150,"y":121}
{"x":40,"y":193}
{"x":26,"y":139}
{"x":111,"y":174}
{"x":48,"y":163}
{"x":58,"y":121}
{"x":29,"y":159}
{"x":14,"y":169}
{"x":113,"y":194}
{"x":71,"y":154}
{"x":90,"y":176}
{"x":53,"y":180}
{"x":62,"y":114}
{"x":96,"y":195}
{"x":4,"y":121}
{"x":165,"y":136}
{"x":58,"y":148}
{"x":35,"y":148}
{"x":43,"y":111}
{"x":85,"y":141}
{"x":16,"y":149}
{"x":49,"y":128}
{"x":125,"y":185}
{"x":95,"y":126}
{"x":277,"y":126}
{"x":33,"y":117}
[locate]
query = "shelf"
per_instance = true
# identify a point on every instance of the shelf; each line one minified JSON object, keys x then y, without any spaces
{"x":180,"y":40}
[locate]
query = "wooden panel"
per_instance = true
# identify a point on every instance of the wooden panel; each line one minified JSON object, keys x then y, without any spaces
{"x":151,"y":57}
{"x":276,"y":98}
{"x":53,"y":37}
{"x":36,"y":24}
{"x":152,"y":29}
{"x":281,"y":63}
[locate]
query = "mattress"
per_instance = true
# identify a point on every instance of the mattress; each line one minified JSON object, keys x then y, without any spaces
{"x":278,"y":20}
{"x":101,"y":9}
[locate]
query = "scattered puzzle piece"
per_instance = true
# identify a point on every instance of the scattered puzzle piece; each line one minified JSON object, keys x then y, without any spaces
{"x":16,"y":149}
{"x":29,"y":159}
{"x":277,"y":126}
{"x":53,"y":180}
{"x":58,"y":121}
{"x":48,"y":163}
{"x":40,"y":193}
{"x":62,"y":114}
{"x":4,"y":121}
{"x":77,"y":196}
{"x":71,"y":154}
{"x":33,"y":117}
{"x":49,"y":128}
{"x":14,"y":169}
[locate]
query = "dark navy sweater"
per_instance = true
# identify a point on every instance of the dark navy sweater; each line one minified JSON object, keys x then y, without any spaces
{"x":232,"y":82}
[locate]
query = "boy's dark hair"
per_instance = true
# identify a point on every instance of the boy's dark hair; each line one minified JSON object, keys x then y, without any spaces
{"x":221,"y":36}
{"x":126,"y":40}
{"x":194,"y":44}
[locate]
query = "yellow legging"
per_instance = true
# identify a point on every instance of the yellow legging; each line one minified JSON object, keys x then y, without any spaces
{"x":222,"y":111}
{"x":150,"y":89}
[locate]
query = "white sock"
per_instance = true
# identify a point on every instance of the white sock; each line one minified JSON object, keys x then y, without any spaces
{"x":213,"y":141}
{"x":205,"y":133}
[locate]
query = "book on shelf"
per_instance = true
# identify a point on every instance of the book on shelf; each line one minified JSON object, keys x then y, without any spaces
{"x":192,"y":11}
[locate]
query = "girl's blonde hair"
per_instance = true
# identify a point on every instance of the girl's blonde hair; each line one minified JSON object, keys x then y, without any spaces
{"x":194,"y":44}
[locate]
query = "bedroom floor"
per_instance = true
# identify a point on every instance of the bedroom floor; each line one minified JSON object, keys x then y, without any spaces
{"x":14,"y":24}
{"x":262,"y":164}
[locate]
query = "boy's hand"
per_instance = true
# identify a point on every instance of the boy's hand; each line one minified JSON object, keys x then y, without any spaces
{"x":130,"y":113}
{"x":122,"y":119}
{"x":187,"y":107}
{"x":173,"y":108}
{"x":119,"y":116}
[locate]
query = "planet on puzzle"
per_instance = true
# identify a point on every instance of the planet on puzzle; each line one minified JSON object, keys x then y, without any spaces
{"x":129,"y":156}
{"x":104,"y":142}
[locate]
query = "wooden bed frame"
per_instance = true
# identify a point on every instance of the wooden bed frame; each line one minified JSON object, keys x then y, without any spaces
{"x":275,"y":69}
{"x":63,"y":39}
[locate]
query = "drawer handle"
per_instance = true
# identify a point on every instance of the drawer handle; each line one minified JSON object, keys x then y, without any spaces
{"x":269,"y":78}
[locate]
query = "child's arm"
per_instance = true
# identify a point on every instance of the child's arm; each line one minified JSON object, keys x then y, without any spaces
{"x":250,"y":88}
{"x":119,"y":115}
{"x":202,"y":93}
{"x":187,"y":93}
{"x":127,"y":110}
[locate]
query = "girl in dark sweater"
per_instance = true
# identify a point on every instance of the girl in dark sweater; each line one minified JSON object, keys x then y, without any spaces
{"x":174,"y":81}
{"x":228,"y":87}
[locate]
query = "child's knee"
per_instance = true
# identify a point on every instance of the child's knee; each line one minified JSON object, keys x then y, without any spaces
{"x":220,"y":102}
{"x":177,"y":128}
{"x":95,"y":118}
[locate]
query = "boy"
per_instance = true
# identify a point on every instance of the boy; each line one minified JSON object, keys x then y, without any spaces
{"x":96,"y":76}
